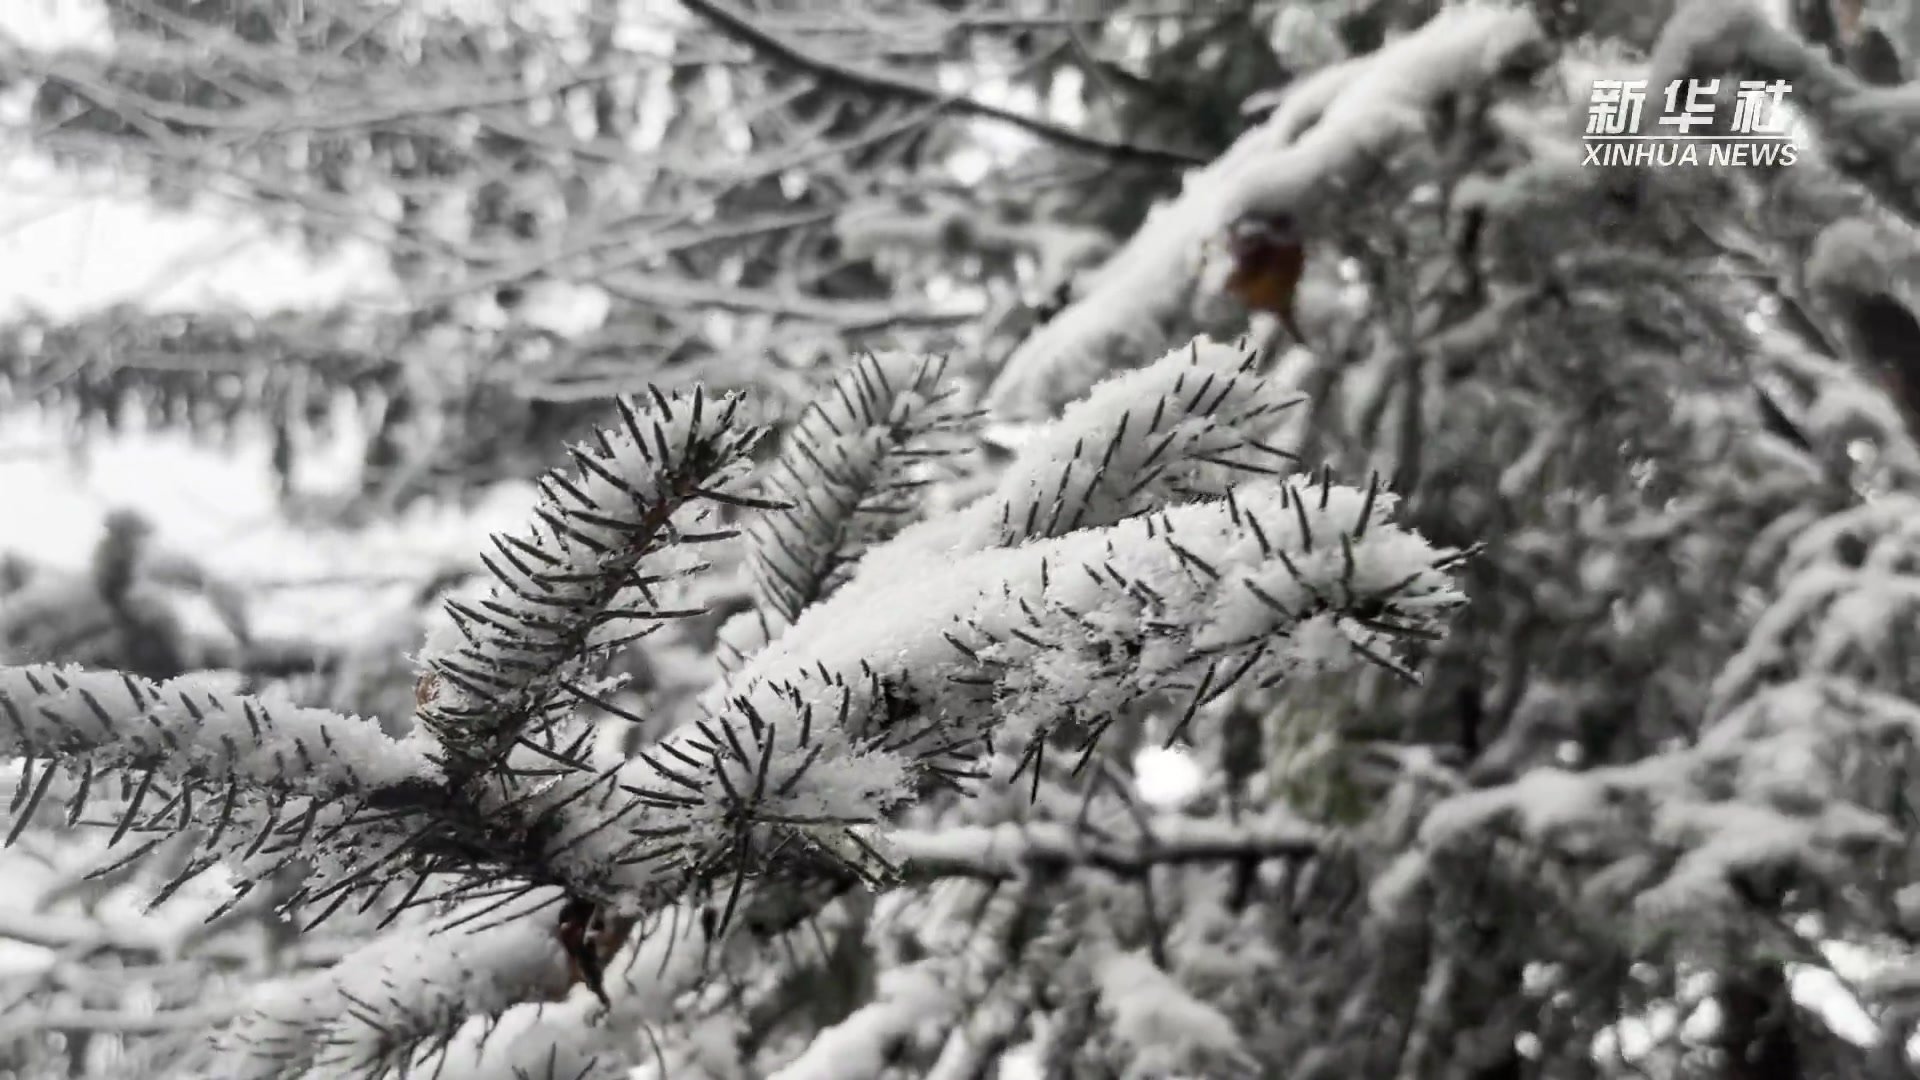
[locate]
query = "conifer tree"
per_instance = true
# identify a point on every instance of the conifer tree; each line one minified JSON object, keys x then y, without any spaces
{"x":1528,"y":588}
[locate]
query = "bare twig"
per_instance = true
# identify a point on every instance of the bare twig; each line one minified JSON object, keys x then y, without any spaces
{"x":737,"y":25}
{"x":1006,"y":851}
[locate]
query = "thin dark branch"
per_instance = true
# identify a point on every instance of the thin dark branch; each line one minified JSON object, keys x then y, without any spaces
{"x":1004,"y":852}
{"x":744,"y":29}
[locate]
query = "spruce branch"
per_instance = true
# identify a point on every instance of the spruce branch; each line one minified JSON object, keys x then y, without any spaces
{"x":893,"y":689}
{"x":1148,"y":548}
{"x":264,"y":786}
{"x":581,"y":581}
{"x":260,"y":784}
{"x":1162,"y":1025}
{"x":1191,"y":425}
{"x":395,"y":1004}
{"x":1675,"y":838}
{"x":567,"y":1036}
{"x":850,"y":474}
{"x":189,"y":730}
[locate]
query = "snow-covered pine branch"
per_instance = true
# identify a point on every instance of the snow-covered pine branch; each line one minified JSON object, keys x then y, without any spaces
{"x":193,"y":730}
{"x":1121,"y":561}
{"x":498,"y":1009}
{"x":895,"y":688}
{"x":263,"y":782}
{"x":1843,"y":606}
{"x":393,"y":1004}
{"x":850,"y":471}
{"x":1694,"y":838}
{"x":582,"y":581}
{"x":1188,"y":426}
{"x":468,"y":994}
{"x":944,"y":643}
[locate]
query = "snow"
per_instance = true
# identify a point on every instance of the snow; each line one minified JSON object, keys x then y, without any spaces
{"x":1717,"y":839}
{"x":1541,"y":802}
{"x":1167,"y":778}
{"x":861,"y":1045}
{"x":1169,"y":1030}
{"x":1765,"y":787}
{"x":965,"y":592}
